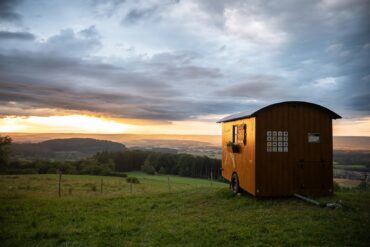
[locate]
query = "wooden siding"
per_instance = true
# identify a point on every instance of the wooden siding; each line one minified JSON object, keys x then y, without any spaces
{"x":244,"y":162}
{"x":307,"y":167}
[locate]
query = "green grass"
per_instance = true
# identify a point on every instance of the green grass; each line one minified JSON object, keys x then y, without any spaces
{"x":194,"y":213}
{"x":20,"y":186}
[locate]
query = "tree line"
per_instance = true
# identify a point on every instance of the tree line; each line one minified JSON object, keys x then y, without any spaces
{"x":115,"y":164}
{"x":164,"y":163}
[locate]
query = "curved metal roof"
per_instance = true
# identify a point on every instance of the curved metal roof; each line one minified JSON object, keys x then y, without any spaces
{"x":246,"y":115}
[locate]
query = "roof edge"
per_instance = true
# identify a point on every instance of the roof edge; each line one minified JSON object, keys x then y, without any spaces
{"x":242,"y":115}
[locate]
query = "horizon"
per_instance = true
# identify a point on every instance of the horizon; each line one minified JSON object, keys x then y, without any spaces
{"x":176,"y":67}
{"x":151,"y":134}
{"x":353,"y":143}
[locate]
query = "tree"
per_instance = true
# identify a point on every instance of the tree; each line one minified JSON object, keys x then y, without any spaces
{"x":5,"y":142}
{"x":184,"y":164}
{"x":162,"y":170}
{"x":147,"y":168}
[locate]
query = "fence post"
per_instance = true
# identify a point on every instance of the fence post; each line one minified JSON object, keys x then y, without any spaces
{"x":211,"y":177}
{"x":60,"y":184}
{"x":101,"y":185}
{"x":168,"y":183}
{"x":365,"y":181}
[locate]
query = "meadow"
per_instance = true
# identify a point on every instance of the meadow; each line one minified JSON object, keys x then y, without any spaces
{"x":189,"y":212}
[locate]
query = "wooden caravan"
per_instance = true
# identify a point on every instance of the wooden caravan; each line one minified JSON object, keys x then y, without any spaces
{"x":280,"y":150}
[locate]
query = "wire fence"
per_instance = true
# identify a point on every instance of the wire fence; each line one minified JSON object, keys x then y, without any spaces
{"x":61,"y":185}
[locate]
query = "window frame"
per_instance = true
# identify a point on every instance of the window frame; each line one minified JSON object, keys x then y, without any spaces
{"x":235,"y":134}
{"x":245,"y":134}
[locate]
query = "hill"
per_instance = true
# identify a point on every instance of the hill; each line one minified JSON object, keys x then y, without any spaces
{"x":193,"y":212}
{"x":69,"y":148}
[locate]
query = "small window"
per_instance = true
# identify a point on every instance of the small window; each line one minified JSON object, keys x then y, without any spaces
{"x":235,"y":134}
{"x":313,"y":137}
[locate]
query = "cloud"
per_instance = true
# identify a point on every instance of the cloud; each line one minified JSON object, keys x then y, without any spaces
{"x":150,"y":11}
{"x":61,"y":70}
{"x":182,"y":60}
{"x":106,"y":8}
{"x":7,"y":11}
{"x":135,"y":15}
{"x":68,"y":42}
{"x":251,"y":28}
{"x":255,"y":87}
{"x":326,"y":82}
{"x":337,"y":50}
{"x":361,"y":103}
{"x":6,"y":35}
{"x":39,"y":81}
{"x":15,"y":97}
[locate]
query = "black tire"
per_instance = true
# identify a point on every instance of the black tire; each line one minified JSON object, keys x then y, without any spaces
{"x":235,"y":184}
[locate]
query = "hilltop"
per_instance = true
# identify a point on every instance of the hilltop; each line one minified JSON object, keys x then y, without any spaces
{"x":69,"y":148}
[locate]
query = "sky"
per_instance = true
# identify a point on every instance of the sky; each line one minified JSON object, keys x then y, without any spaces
{"x":176,"y":67}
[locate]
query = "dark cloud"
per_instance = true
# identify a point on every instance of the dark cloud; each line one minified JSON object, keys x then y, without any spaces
{"x":175,"y":58}
{"x":90,"y":33}
{"x":152,"y":12}
{"x":192,"y":72}
{"x":135,"y":15}
{"x":361,"y":103}
{"x":42,"y":68}
{"x":7,"y":11}
{"x":255,"y":87}
{"x":38,"y":80}
{"x":16,"y":35}
{"x":67,"y":42}
{"x":339,"y":52}
{"x":118,"y":104}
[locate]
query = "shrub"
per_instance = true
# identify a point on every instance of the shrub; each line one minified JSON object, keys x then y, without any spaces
{"x":363,"y":186}
{"x":132,"y":180}
{"x":117,"y":174}
{"x":93,"y":187}
{"x":147,"y":168}
{"x":162,"y":170}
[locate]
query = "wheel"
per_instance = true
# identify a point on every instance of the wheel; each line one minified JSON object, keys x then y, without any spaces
{"x":235,"y":183}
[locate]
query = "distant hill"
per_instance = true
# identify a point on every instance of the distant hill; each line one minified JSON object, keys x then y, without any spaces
{"x":174,"y":141}
{"x":69,"y":148}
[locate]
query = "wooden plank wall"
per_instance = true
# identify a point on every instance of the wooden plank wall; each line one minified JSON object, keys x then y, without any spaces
{"x":307,"y":167}
{"x":245,"y":160}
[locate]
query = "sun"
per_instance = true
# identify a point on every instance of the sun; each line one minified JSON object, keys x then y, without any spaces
{"x":62,"y":124}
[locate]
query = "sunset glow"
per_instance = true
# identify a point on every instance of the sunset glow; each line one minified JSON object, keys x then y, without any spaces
{"x":352,"y":127}
{"x":62,"y":124}
{"x":90,"y":124}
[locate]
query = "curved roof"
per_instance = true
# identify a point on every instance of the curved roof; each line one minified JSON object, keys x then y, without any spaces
{"x":241,"y":115}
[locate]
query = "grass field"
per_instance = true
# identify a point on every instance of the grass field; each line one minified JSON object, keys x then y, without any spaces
{"x":19,"y":186}
{"x":193,"y":213}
